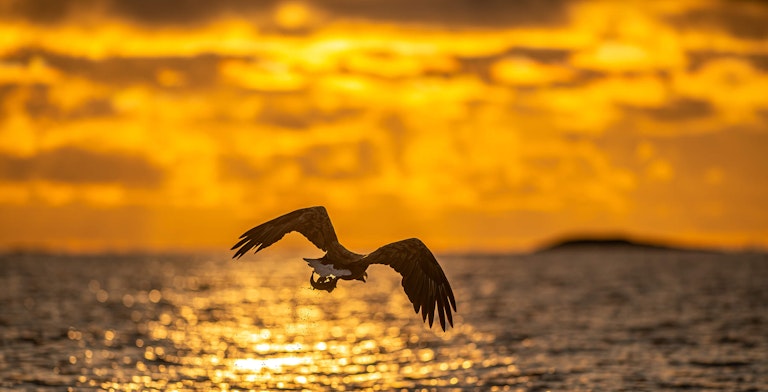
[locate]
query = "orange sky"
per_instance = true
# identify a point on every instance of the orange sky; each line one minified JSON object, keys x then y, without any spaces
{"x":489,"y":126}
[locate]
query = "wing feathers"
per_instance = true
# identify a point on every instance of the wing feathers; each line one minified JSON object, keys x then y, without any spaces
{"x":312,"y":222}
{"x":440,"y":308}
{"x":424,"y":281}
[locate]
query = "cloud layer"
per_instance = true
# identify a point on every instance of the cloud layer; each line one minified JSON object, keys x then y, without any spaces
{"x":475,"y":126}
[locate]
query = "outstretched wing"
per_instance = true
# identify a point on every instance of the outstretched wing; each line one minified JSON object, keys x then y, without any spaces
{"x":312,"y":222}
{"x":423,"y":279}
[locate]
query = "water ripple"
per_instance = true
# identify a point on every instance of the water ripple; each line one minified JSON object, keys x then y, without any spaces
{"x":608,"y":321}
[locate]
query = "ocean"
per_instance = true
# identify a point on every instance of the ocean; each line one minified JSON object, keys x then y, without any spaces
{"x":593,"y":319}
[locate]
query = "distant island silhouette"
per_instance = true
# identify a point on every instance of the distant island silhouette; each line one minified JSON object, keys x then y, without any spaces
{"x":609,"y":242}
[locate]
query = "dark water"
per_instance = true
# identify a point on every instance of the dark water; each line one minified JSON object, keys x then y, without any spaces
{"x":608,"y":320}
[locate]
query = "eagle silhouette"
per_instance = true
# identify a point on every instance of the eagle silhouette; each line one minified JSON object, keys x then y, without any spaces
{"x":424,"y":281}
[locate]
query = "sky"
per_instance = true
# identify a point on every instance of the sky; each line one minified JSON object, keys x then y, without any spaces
{"x":485,"y":126}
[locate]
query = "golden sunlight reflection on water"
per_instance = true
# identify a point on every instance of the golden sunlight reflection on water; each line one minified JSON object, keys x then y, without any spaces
{"x":255,"y":325}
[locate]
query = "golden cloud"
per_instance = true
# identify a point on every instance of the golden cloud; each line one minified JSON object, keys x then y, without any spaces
{"x":469,"y":135}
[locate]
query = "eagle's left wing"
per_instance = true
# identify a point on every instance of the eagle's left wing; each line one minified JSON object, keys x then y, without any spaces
{"x":423,"y":280}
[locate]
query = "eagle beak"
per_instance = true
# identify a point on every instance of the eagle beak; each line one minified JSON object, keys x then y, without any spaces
{"x":365,"y":276}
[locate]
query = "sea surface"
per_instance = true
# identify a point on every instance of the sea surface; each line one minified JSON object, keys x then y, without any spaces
{"x":595,"y":319}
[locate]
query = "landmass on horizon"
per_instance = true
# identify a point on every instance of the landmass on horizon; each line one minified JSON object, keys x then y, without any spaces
{"x":571,"y":243}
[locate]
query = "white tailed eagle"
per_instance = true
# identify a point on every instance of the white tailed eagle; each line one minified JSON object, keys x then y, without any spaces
{"x":423,"y":280}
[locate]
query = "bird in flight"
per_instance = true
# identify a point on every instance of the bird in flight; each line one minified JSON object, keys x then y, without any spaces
{"x":424,"y":281}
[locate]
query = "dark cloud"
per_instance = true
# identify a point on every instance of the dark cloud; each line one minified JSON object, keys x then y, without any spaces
{"x":758,"y":61}
{"x":494,"y":185}
{"x":236,"y":167}
{"x":185,"y":11}
{"x":318,"y":161}
{"x":541,"y":55}
{"x":169,"y":12}
{"x":37,"y":104}
{"x":679,"y":110}
{"x":294,"y":111}
{"x":39,"y":11}
{"x":745,"y":19}
{"x":257,"y":178}
{"x":398,"y":133}
{"x":79,"y":166}
{"x":199,"y":71}
{"x":6,"y":91}
{"x":698,"y":59}
{"x":449,"y":13}
{"x":458,"y":13}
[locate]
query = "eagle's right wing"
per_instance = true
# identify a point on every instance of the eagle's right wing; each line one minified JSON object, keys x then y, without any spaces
{"x":423,"y":280}
{"x":312,"y":222}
